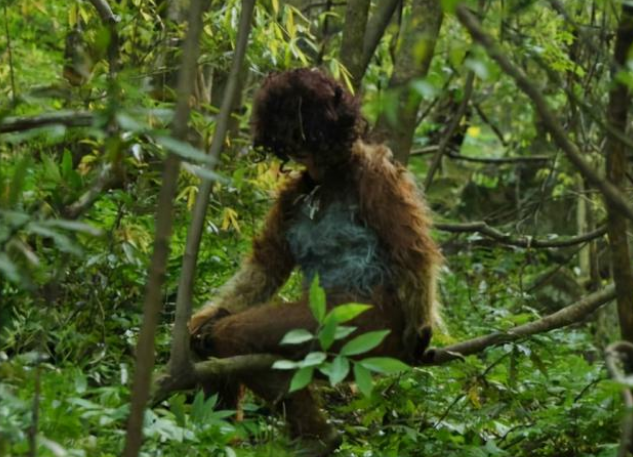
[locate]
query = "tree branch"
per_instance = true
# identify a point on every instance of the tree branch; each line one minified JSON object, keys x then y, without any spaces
{"x":253,"y":363}
{"x":610,"y":192}
{"x":108,"y":179}
{"x":566,"y":316}
{"x":65,"y":118}
{"x":448,"y":135}
{"x":522,"y":242}
{"x":375,"y":30}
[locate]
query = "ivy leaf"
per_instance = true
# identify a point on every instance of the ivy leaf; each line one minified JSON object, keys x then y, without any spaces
{"x":364,"y":343}
{"x":301,"y":378}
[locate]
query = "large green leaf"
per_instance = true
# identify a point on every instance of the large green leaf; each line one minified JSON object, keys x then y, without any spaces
{"x":364,"y":343}
{"x":338,"y":370}
{"x":301,"y":378}
{"x":344,"y":313}
{"x":363,"y":379}
{"x":297,"y":336}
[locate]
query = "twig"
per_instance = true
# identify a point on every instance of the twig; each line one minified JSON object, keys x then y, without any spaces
{"x":448,"y":135}
{"x":14,"y":94}
{"x":487,"y":121}
{"x":111,"y":21}
{"x":523,"y":242}
{"x":616,"y":354}
{"x":610,"y":192}
{"x":499,"y":160}
{"x":108,"y":178}
{"x":566,"y":316}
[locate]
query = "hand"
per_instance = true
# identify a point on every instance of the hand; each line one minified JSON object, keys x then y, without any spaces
{"x":207,"y":315}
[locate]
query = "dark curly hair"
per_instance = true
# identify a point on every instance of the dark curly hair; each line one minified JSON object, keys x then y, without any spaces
{"x":305,"y":110}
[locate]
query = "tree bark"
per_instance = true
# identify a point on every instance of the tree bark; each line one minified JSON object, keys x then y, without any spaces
{"x":376,"y":29}
{"x":617,"y":166}
{"x":353,"y":35}
{"x":164,"y":222}
{"x":423,"y":27}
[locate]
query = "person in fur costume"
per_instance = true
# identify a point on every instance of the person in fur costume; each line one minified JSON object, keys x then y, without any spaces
{"x":354,"y":218}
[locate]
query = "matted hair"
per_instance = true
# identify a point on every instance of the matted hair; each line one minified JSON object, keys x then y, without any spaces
{"x":305,"y":110}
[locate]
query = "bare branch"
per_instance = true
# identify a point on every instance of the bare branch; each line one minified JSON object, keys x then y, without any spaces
{"x":108,"y":178}
{"x":610,"y":192}
{"x":376,"y":29}
{"x":566,"y":316}
{"x":448,"y":135}
{"x":152,"y":305}
{"x":104,"y":10}
{"x":522,"y":242}
{"x":66,"y":118}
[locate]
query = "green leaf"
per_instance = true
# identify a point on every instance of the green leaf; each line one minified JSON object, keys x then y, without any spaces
{"x":344,"y":313}
{"x":313,"y":359}
{"x":338,"y":370}
{"x":285,"y":365}
{"x":67,"y":164}
{"x":363,"y":379}
{"x":183,"y":149}
{"x":343,"y":331}
{"x":17,"y":183}
{"x":317,"y":300}
{"x":385,"y":365}
{"x":8,"y":269}
{"x":327,"y":334}
{"x":301,"y":378}
{"x":297,"y":336}
{"x":74,"y":226}
{"x":364,"y":343}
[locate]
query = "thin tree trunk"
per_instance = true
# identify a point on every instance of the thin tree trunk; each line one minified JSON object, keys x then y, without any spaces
{"x":423,"y":25}
{"x":164,"y":222}
{"x":619,"y":102}
{"x":180,"y":357}
{"x":353,"y":35}
{"x":376,"y":29}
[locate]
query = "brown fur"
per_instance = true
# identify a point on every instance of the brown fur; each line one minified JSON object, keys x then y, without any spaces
{"x":308,"y":112}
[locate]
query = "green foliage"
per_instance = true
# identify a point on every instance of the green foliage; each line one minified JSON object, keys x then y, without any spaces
{"x":70,"y":289}
{"x":336,"y":363}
